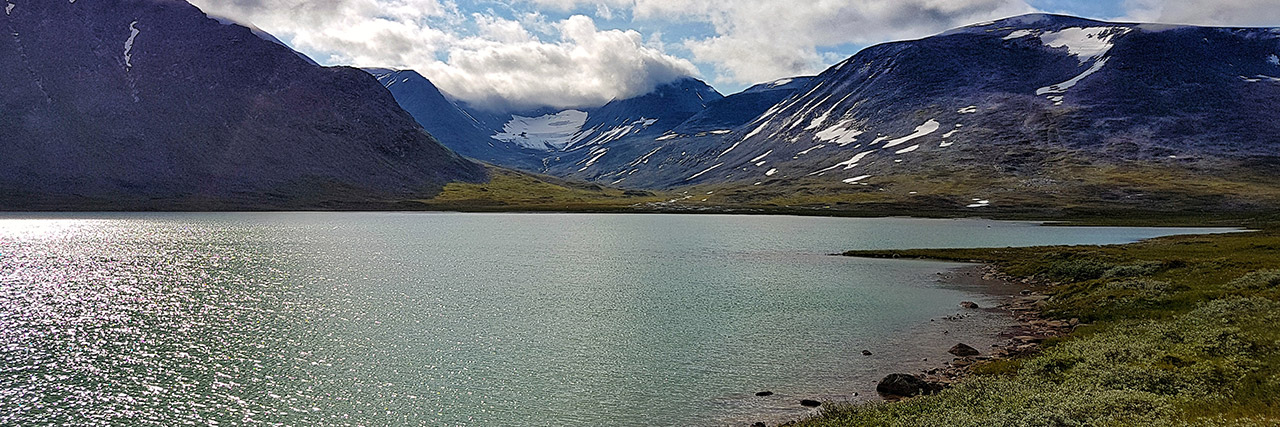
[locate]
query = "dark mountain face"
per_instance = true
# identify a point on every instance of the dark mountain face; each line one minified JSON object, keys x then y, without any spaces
{"x":150,"y":104}
{"x":735,"y":110}
{"x":460,"y":130}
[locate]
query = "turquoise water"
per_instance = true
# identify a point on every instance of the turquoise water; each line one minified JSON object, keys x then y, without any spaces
{"x":465,"y":319}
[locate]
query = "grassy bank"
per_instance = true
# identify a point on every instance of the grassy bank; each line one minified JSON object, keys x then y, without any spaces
{"x":1137,"y":195}
{"x":513,"y":191}
{"x":1182,"y":331}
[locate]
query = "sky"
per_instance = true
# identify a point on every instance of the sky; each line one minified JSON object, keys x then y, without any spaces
{"x":514,"y":54}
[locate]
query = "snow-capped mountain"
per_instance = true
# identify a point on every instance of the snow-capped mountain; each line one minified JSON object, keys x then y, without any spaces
{"x":588,"y":143}
{"x":1017,"y":97}
{"x":561,"y":142}
{"x":144,"y":104}
{"x":1020,"y":97}
{"x":648,"y":159}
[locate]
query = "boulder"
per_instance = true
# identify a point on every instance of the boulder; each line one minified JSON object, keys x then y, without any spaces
{"x":905,"y":385}
{"x":970,"y":305}
{"x":963,"y":350}
{"x":866,"y":352}
{"x":764,"y":393}
{"x":810,"y":403}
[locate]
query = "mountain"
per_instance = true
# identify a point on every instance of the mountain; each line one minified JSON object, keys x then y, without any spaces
{"x":460,"y":130}
{"x":1031,"y":98}
{"x":603,"y":143}
{"x":740,"y":108}
{"x":1030,"y":112}
{"x":151,"y":104}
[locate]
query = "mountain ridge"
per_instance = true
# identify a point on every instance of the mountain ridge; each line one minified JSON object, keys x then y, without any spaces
{"x":151,"y":104}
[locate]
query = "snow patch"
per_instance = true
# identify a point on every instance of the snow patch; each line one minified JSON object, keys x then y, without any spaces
{"x":979,"y":204}
{"x":731,"y":147}
{"x":1273,"y":59}
{"x":946,"y":144}
{"x":721,"y":132}
{"x":842,"y":133}
{"x":780,"y":82}
{"x":810,"y":149}
{"x":644,"y":159}
{"x":610,"y":135}
{"x":847,"y":164}
{"x":856,"y":179}
{"x":922,"y":130}
{"x":550,"y":132}
{"x":757,"y":130}
{"x":771,"y":172}
{"x":762,"y":156}
{"x":667,"y":137}
{"x":1019,"y":34}
{"x":1260,"y":78}
{"x":128,"y":44}
{"x":1084,"y":43}
{"x":949,"y":134}
{"x":8,"y":10}
{"x":593,"y":160}
{"x":1062,"y":87}
{"x":817,"y":122}
{"x":908,"y":149}
{"x":703,"y":172}
{"x":968,"y":110}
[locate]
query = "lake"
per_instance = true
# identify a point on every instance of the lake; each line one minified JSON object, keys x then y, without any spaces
{"x":319,"y":319}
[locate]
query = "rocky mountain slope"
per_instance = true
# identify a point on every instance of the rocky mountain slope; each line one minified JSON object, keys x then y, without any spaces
{"x":598,"y":144}
{"x":151,"y":104}
{"x":1020,"y":97}
{"x":1024,"y":109}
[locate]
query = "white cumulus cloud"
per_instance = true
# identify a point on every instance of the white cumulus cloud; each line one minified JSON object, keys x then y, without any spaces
{"x":761,"y":40}
{"x":1234,"y":13}
{"x":485,"y":60}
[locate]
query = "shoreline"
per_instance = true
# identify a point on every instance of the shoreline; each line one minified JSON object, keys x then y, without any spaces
{"x":1024,"y":337}
{"x":1004,"y":325}
{"x":1017,"y":301}
{"x":1126,"y":334}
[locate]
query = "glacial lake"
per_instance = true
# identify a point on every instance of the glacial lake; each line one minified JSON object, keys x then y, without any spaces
{"x":321,"y":319}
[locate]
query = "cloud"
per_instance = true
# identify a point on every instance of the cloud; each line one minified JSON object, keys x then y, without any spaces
{"x":1238,"y":13}
{"x":551,"y":52}
{"x":587,"y":66}
{"x":486,"y":60}
{"x":761,"y":40}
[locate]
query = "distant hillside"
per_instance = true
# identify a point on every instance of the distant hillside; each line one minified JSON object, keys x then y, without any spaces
{"x":150,"y":104}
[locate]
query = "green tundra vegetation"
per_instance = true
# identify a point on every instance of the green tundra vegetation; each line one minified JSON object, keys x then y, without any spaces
{"x":509,"y":191}
{"x":1181,"y":330}
{"x":1126,"y":194}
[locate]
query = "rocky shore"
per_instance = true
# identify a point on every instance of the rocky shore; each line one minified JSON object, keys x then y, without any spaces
{"x":1025,"y":337}
{"x":999,"y":296}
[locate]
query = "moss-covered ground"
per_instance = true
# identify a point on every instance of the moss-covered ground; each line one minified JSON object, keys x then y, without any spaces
{"x":1181,"y":331}
{"x":509,"y":190}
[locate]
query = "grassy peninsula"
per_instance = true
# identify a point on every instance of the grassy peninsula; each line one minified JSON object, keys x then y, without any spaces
{"x":1179,"y":331}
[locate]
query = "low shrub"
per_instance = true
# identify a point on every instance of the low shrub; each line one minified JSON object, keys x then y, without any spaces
{"x":1256,"y":281}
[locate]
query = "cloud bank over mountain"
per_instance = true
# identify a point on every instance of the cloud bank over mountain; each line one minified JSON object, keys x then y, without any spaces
{"x":575,"y":53}
{"x":488,"y":61}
